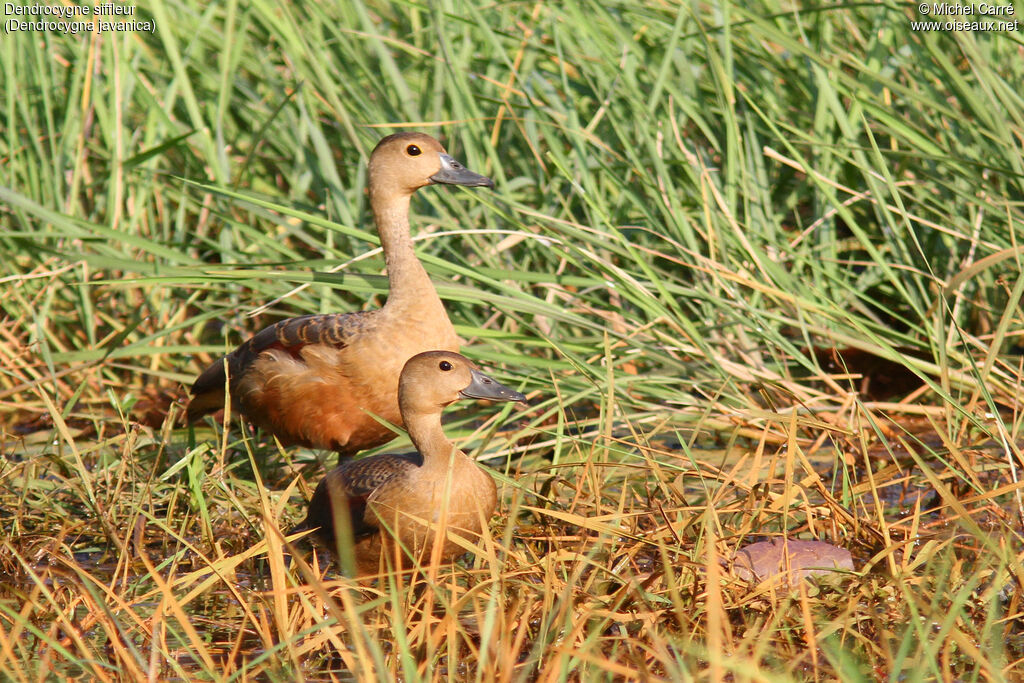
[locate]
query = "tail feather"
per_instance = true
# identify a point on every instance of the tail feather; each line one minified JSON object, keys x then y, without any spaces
{"x":204,"y":404}
{"x":207,"y":392}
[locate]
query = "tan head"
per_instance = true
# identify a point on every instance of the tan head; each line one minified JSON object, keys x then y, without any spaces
{"x":434,"y":379}
{"x":404,"y":162}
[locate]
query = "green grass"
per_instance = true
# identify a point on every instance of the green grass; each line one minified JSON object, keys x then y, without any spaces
{"x":693,"y":206}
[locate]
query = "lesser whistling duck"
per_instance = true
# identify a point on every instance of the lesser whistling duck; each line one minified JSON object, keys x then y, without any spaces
{"x":318,"y":380}
{"x":384,"y":497}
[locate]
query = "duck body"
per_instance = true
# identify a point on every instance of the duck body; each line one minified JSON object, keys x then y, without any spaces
{"x":399,"y":505}
{"x":319,"y":380}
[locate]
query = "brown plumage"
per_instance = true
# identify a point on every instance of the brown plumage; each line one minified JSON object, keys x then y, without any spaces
{"x":385,"y":497}
{"x":318,"y":380}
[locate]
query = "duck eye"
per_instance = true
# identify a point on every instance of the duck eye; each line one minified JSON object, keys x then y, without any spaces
{"x":445,"y":366}
{"x":413,"y":151}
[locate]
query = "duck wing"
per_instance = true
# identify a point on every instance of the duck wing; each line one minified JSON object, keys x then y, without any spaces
{"x":292,"y":335}
{"x":346,"y":490}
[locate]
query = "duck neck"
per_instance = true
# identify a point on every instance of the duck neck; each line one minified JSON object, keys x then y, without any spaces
{"x":408,"y":282}
{"x":427,"y":435}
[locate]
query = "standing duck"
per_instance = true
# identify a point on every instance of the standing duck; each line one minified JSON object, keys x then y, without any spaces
{"x":320,"y":380}
{"x":363,"y":507}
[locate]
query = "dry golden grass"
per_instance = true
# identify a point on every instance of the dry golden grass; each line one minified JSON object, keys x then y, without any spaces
{"x":610,"y":563}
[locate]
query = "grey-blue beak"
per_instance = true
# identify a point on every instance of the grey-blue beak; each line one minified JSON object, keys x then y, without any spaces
{"x":454,"y":173}
{"x":484,"y":387}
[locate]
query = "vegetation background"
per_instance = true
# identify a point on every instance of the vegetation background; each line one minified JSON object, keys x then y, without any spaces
{"x":757,"y":265}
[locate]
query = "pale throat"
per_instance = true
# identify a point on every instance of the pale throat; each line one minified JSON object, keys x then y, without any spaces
{"x":408,"y":281}
{"x":428,"y":437}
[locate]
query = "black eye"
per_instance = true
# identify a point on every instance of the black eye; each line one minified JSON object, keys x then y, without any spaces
{"x":445,"y":366}
{"x":413,"y":151}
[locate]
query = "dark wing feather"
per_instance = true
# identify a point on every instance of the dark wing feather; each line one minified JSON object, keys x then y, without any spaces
{"x":351,"y":485}
{"x":289,"y":335}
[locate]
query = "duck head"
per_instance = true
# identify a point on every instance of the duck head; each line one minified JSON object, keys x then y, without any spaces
{"x":404,"y":162}
{"x":434,"y":379}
